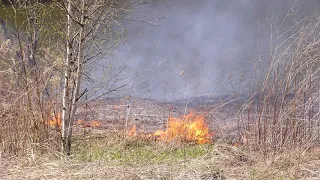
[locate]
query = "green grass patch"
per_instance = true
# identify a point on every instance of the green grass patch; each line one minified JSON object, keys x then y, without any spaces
{"x":136,"y":150}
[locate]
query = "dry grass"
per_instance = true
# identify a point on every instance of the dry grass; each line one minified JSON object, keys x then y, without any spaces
{"x":283,"y":110}
{"x":27,"y":99}
{"x":216,"y":161}
{"x":111,"y":156}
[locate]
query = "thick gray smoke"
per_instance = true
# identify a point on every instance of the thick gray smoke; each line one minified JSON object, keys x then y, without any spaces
{"x":209,"y":40}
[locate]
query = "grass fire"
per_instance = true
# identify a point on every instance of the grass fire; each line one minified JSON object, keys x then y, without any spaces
{"x":188,"y":128}
{"x":160,"y":89}
{"x":56,"y":122}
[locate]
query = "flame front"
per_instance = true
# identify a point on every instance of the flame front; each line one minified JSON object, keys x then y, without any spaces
{"x":190,"y":128}
{"x":187,"y":128}
{"x":56,"y":122}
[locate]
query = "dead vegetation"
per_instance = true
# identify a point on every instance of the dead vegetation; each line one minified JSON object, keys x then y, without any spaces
{"x":283,"y":111}
{"x":28,"y":99}
{"x":114,"y":157}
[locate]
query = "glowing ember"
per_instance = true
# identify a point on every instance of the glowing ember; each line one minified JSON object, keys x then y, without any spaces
{"x":133,"y":131}
{"x":187,"y":128}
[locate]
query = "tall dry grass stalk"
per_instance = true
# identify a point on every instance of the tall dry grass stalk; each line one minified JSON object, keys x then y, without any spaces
{"x":28,"y":97}
{"x":283,"y":109}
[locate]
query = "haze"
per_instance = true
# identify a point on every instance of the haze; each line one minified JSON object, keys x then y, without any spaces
{"x":209,"y":40}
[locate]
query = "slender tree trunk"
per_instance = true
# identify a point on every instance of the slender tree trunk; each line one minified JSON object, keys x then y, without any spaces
{"x":66,"y":89}
{"x":70,"y":103}
{"x":80,"y":58}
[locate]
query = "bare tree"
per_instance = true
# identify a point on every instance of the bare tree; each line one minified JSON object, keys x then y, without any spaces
{"x":93,"y":31}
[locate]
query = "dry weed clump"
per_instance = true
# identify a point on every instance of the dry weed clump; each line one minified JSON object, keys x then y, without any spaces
{"x":27,"y":101}
{"x":283,"y":110}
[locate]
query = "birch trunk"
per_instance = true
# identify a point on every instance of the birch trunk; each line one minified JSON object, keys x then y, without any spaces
{"x":80,"y":58}
{"x":66,"y":89}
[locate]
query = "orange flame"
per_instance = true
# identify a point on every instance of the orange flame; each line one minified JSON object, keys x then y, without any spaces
{"x":55,"y":121}
{"x":133,"y":131}
{"x":187,"y":128}
{"x":95,"y":123}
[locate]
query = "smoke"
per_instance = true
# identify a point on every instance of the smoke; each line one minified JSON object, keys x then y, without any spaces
{"x":214,"y":42}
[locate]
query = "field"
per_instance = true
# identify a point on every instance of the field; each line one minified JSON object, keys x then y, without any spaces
{"x":112,"y":157}
{"x":75,"y":104}
{"x":106,"y":152}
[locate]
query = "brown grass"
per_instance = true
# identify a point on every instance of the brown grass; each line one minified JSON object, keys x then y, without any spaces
{"x":219,"y":161}
{"x":283,"y":111}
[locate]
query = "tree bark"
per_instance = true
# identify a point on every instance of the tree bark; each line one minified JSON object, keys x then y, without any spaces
{"x":70,"y":103}
{"x":65,"y":118}
{"x":75,"y":98}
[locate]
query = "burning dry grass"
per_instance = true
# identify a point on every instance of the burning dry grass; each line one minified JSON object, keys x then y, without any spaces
{"x":110,"y":156}
{"x":188,"y":128}
{"x":55,"y":121}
